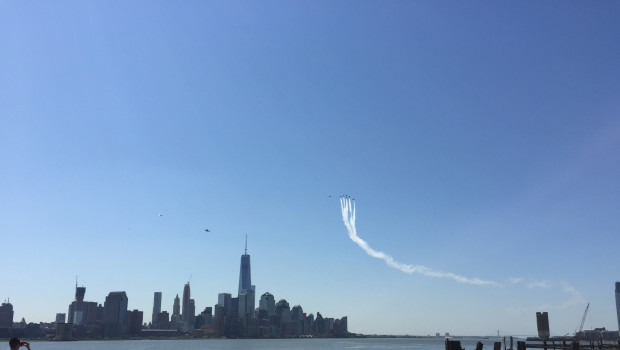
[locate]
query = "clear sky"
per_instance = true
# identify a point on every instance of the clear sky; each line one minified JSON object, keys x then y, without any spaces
{"x":480,"y":140}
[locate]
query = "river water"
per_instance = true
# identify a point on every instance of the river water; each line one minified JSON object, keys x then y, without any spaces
{"x":263,"y":344}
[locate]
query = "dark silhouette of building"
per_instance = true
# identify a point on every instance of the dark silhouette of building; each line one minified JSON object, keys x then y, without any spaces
{"x":63,"y":331}
{"x":618,"y":303}
{"x":246,"y":293}
{"x":6,"y":315}
{"x":163,"y":320}
{"x":133,"y":323}
{"x":321,"y":327}
{"x":224,"y":300}
{"x":205,"y":318}
{"x":175,"y":319}
{"x":191,"y":315}
{"x":340,"y":328}
{"x":156,"y":309}
{"x":267,"y":303}
{"x":82,"y":312}
{"x":186,"y":297}
{"x":115,"y":314}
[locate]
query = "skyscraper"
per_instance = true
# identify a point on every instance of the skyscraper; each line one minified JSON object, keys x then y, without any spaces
{"x":79,"y":292}
{"x":245,"y":278}
{"x":267,"y":303}
{"x":6,"y":315}
{"x":618,"y":303}
{"x":115,"y":313}
{"x":223,"y":300}
{"x":175,"y":319}
{"x":156,"y":309}
{"x":246,"y":294}
{"x":185,"y":307}
{"x":176,"y":307}
{"x":80,"y":311}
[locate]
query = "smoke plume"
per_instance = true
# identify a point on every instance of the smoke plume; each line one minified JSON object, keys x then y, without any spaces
{"x":348,"y":216}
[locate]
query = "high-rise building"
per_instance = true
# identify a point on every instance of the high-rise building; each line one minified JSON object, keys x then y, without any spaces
{"x":133,"y":324}
{"x":163,"y":320}
{"x":191,"y":315}
{"x":115,"y":313}
{"x":268,"y":303}
{"x":246,"y":303}
{"x":245,"y":275}
{"x":79,"y":292}
{"x":283,"y":310}
{"x":176,"y":307}
{"x":618,"y":303}
{"x":156,"y":309}
{"x":6,"y":315}
{"x":80,"y":311}
{"x":223,"y":300}
{"x":175,"y":318}
{"x":186,"y":297}
{"x":246,"y":294}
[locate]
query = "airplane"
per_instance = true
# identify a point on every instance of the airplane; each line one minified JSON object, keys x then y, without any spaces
{"x":160,"y":214}
{"x":207,"y":230}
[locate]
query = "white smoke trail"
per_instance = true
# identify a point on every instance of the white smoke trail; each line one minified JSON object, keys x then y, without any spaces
{"x":348,"y":216}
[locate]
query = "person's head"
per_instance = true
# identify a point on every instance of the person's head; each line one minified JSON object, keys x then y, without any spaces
{"x":14,"y":343}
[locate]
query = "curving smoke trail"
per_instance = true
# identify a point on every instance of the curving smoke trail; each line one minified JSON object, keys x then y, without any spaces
{"x":348,"y":216}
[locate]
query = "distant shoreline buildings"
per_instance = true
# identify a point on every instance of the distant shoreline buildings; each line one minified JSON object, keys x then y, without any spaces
{"x":618,"y":303}
{"x":231,"y":317}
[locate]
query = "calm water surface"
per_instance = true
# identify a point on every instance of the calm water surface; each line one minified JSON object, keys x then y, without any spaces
{"x":262,"y":344}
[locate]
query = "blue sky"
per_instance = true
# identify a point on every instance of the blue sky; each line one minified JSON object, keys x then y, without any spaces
{"x":479,"y":139}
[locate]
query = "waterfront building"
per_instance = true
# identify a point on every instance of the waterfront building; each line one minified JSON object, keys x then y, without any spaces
{"x":133,"y":323}
{"x":246,"y":303}
{"x":297,"y":321}
{"x":60,"y":318}
{"x":156,"y":310}
{"x":343,"y":328}
{"x":115,"y":314}
{"x":320,"y":326}
{"x":224,"y":301}
{"x":163,"y":320}
{"x":175,"y":319}
{"x":191,"y":315}
{"x":176,"y":307}
{"x":185,"y":308}
{"x":309,"y":324}
{"x":267,"y":302}
{"x":542,"y":324}
{"x":64,"y":331}
{"x":618,"y":303}
{"x":82,"y":312}
{"x":205,"y":318}
{"x":283,"y":311}
{"x":6,"y":315}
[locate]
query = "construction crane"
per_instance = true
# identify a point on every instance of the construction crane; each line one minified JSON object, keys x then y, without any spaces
{"x":583,"y":320}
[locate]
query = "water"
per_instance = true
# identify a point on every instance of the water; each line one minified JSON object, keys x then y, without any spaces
{"x":263,"y":344}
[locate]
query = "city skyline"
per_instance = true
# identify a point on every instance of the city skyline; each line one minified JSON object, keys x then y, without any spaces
{"x":141,"y":142}
{"x":229,"y":317}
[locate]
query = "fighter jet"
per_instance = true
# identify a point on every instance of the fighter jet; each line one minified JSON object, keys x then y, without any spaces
{"x":207,"y":230}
